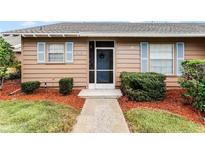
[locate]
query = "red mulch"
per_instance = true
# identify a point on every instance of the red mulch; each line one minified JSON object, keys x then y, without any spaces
{"x":41,"y":94}
{"x":173,"y":103}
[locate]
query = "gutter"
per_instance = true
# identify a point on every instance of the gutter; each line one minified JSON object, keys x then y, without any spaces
{"x":88,"y":34}
{"x":42,"y":34}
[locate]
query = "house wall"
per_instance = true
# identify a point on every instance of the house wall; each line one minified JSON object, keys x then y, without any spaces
{"x":128,"y":54}
{"x":51,"y":73}
{"x":18,"y":56}
{"x":127,"y":58}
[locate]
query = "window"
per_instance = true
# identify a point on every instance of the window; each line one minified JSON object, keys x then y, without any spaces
{"x":56,"y":53}
{"x":161,"y":58}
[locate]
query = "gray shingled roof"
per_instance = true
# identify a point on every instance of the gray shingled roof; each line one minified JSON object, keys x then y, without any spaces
{"x":116,"y":28}
{"x":15,"y":41}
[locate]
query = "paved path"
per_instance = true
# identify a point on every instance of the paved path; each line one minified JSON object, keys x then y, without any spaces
{"x":101,"y":116}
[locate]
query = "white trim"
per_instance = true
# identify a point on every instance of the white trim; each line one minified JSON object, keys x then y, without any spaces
{"x":144,"y":58}
{"x":84,"y":34}
{"x":177,"y":64}
{"x":38,"y":61}
{"x":91,"y":86}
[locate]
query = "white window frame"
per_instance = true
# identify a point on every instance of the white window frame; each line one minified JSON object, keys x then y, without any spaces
{"x":44,"y":60}
{"x":149,"y":58}
{"x":63,"y":52}
{"x":177,"y":64}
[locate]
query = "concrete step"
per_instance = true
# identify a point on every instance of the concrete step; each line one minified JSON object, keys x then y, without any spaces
{"x":100,"y":93}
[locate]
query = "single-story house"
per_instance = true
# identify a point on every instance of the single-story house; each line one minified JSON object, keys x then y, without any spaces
{"x":15,"y":41}
{"x":95,"y":53}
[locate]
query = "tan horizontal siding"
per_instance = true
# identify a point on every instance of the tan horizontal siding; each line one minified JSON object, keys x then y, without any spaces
{"x":127,"y":58}
{"x":128,"y":54}
{"x":55,"y":66}
{"x":51,"y":72}
{"x":54,"y":83}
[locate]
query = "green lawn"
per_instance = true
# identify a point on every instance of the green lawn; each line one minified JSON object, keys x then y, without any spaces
{"x":158,"y":121}
{"x":39,"y":117}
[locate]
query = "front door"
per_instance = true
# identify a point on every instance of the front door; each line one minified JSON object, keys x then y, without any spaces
{"x":102,"y":68}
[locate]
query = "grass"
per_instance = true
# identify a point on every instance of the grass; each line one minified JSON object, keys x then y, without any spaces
{"x":35,"y":117}
{"x":158,"y":121}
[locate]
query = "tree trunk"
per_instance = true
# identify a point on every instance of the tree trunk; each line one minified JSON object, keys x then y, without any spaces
{"x":1,"y":83}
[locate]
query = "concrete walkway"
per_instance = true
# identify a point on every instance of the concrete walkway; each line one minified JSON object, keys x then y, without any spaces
{"x":101,"y":116}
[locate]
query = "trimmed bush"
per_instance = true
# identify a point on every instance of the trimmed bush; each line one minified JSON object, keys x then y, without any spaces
{"x":30,"y":86}
{"x":65,"y":85}
{"x":193,"y":80}
{"x":143,"y":86}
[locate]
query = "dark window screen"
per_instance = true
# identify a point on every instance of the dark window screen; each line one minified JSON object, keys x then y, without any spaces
{"x":104,"y":44}
{"x":91,"y":55}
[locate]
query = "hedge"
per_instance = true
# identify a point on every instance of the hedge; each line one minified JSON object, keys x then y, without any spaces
{"x":65,"y":85}
{"x":143,"y":86}
{"x":193,"y":80}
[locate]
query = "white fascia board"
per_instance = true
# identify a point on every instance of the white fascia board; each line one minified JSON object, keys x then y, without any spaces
{"x":43,"y":34}
{"x":138,"y":35}
{"x":84,"y":34}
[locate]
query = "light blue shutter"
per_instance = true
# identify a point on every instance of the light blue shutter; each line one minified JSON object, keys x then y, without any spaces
{"x":179,"y":57}
{"x":69,"y":52}
{"x":144,"y":46}
{"x":41,"y":47}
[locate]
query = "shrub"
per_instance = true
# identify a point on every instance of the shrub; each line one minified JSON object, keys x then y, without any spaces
{"x":65,"y":85}
{"x":193,"y":80}
{"x":143,"y":86}
{"x":30,"y":87}
{"x":14,"y":72}
{"x":17,"y":74}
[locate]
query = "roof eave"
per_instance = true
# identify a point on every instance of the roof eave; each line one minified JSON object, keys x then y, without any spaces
{"x":42,"y":34}
{"x":83,"y":34}
{"x":139,"y":35}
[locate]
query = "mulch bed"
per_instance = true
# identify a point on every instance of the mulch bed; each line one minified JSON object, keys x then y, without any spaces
{"x":173,"y":103}
{"x":41,"y":94}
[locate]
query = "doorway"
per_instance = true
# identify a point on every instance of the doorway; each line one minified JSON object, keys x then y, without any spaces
{"x":101,"y":65}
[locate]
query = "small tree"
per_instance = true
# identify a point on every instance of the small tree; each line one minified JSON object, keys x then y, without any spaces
{"x":7,"y":59}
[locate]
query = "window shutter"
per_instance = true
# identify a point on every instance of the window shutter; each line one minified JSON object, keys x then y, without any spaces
{"x":144,"y":56}
{"x":179,"y":57}
{"x":41,"y":47}
{"x":69,"y":52}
